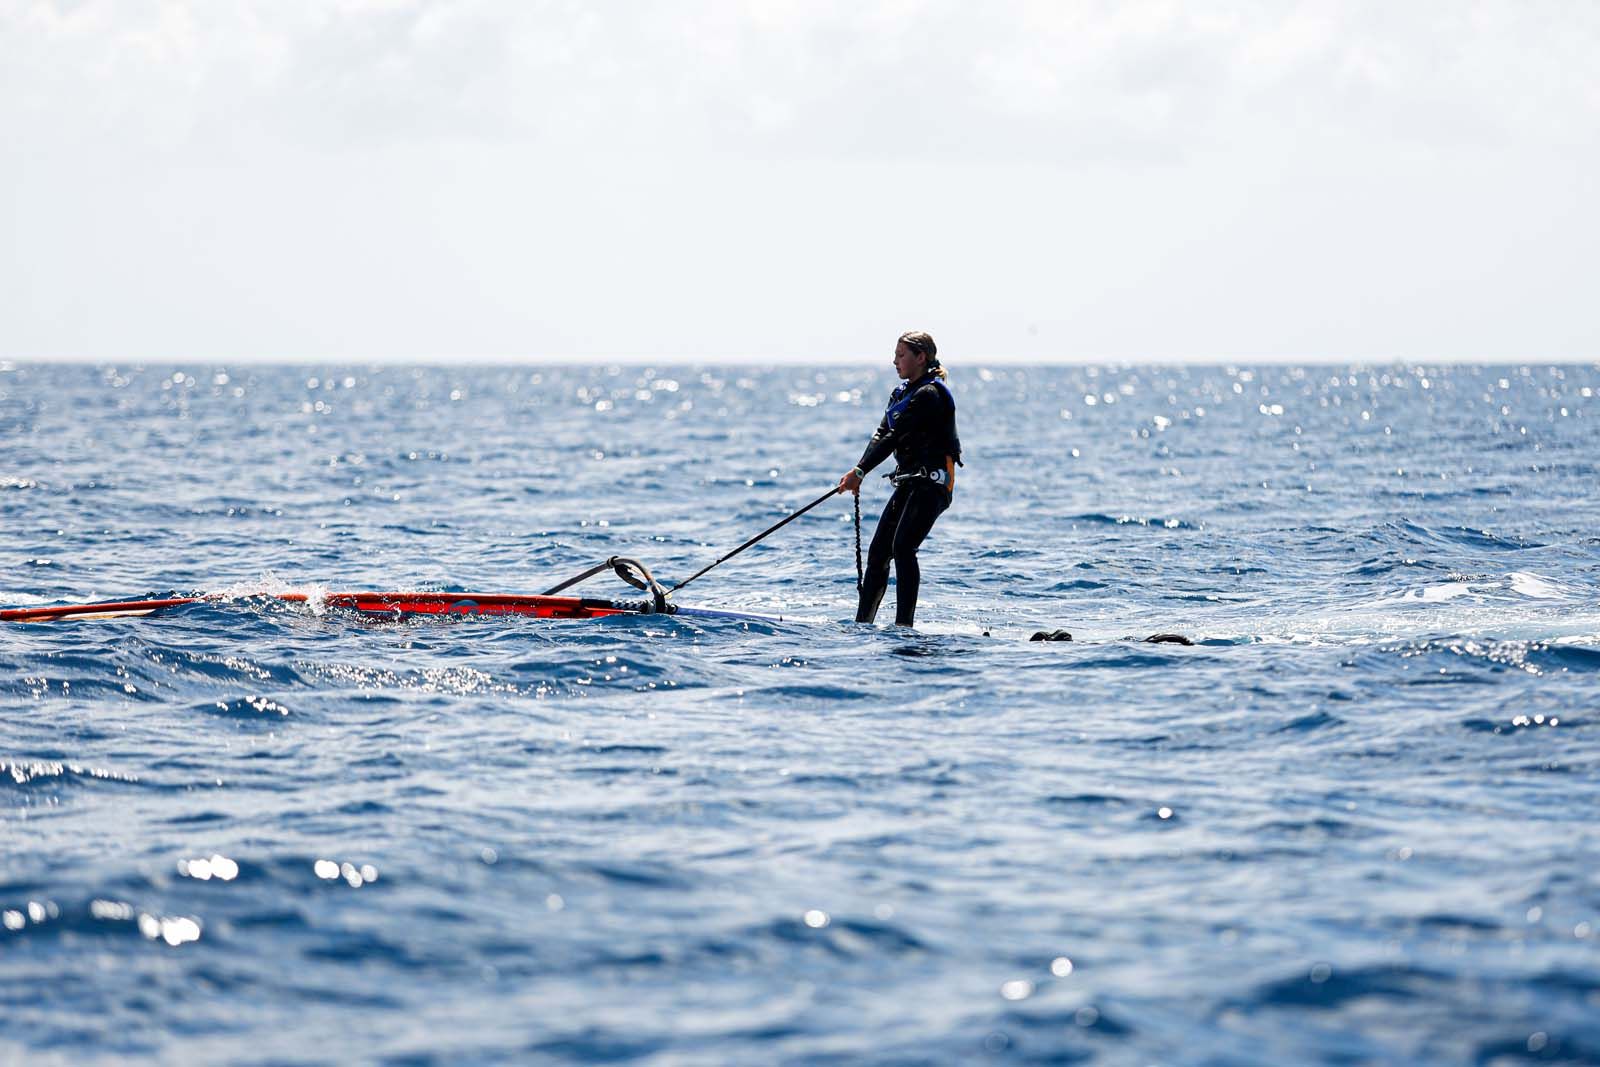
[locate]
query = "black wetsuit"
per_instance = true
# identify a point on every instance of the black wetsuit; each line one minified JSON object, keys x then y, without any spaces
{"x":919,"y":429}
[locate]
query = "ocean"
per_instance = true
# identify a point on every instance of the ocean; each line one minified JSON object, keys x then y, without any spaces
{"x":1354,"y":822}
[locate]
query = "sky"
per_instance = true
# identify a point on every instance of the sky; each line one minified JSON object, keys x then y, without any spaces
{"x":474,"y":180}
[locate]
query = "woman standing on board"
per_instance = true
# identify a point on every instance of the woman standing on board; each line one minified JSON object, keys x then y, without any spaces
{"x":919,"y":428}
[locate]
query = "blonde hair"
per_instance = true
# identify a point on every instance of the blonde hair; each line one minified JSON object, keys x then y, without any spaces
{"x":921,"y":342}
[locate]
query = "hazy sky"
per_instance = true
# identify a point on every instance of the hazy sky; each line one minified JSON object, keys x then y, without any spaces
{"x":398,"y":179}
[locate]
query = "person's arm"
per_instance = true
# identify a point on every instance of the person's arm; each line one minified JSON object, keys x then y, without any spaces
{"x":874,"y":455}
{"x":880,"y":448}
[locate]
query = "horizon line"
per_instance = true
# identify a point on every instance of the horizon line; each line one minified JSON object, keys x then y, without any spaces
{"x":787,"y":362}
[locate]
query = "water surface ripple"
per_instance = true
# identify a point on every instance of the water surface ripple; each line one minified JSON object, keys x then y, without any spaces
{"x":1354,"y":823}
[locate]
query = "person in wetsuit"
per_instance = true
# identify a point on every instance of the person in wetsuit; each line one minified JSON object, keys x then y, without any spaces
{"x":919,"y":430}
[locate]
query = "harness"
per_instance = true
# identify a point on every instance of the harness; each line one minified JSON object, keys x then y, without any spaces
{"x":945,"y":477}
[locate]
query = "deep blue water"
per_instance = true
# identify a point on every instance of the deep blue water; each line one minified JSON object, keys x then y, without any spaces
{"x":1355,"y":823}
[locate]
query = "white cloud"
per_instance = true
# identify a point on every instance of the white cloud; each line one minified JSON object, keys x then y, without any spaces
{"x":399,"y":177}
{"x":839,"y":79}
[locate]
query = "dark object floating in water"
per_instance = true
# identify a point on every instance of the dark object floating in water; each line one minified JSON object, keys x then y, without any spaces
{"x":1153,"y":639}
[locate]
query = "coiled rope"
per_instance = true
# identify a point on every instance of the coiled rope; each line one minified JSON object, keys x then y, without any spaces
{"x":861,"y":575}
